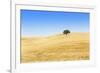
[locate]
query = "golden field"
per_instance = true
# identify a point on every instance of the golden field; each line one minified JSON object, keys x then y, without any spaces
{"x":60,"y":47}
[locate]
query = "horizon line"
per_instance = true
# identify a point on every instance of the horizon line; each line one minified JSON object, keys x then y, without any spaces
{"x":48,"y":35}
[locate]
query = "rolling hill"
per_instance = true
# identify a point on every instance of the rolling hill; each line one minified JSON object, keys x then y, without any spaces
{"x":59,"y":47}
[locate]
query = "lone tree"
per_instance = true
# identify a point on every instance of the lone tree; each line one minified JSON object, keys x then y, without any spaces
{"x":66,"y":32}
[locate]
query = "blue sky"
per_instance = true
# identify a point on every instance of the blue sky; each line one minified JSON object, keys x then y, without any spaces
{"x":43,"y":23}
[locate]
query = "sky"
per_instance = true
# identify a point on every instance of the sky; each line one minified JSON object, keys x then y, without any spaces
{"x":43,"y":23}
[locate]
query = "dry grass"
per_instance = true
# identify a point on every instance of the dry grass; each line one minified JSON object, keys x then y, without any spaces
{"x":74,"y":46}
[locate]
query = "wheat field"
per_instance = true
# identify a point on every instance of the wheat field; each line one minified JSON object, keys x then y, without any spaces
{"x":59,"y":47}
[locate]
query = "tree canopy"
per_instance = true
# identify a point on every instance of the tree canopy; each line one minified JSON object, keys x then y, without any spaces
{"x":66,"y":32}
